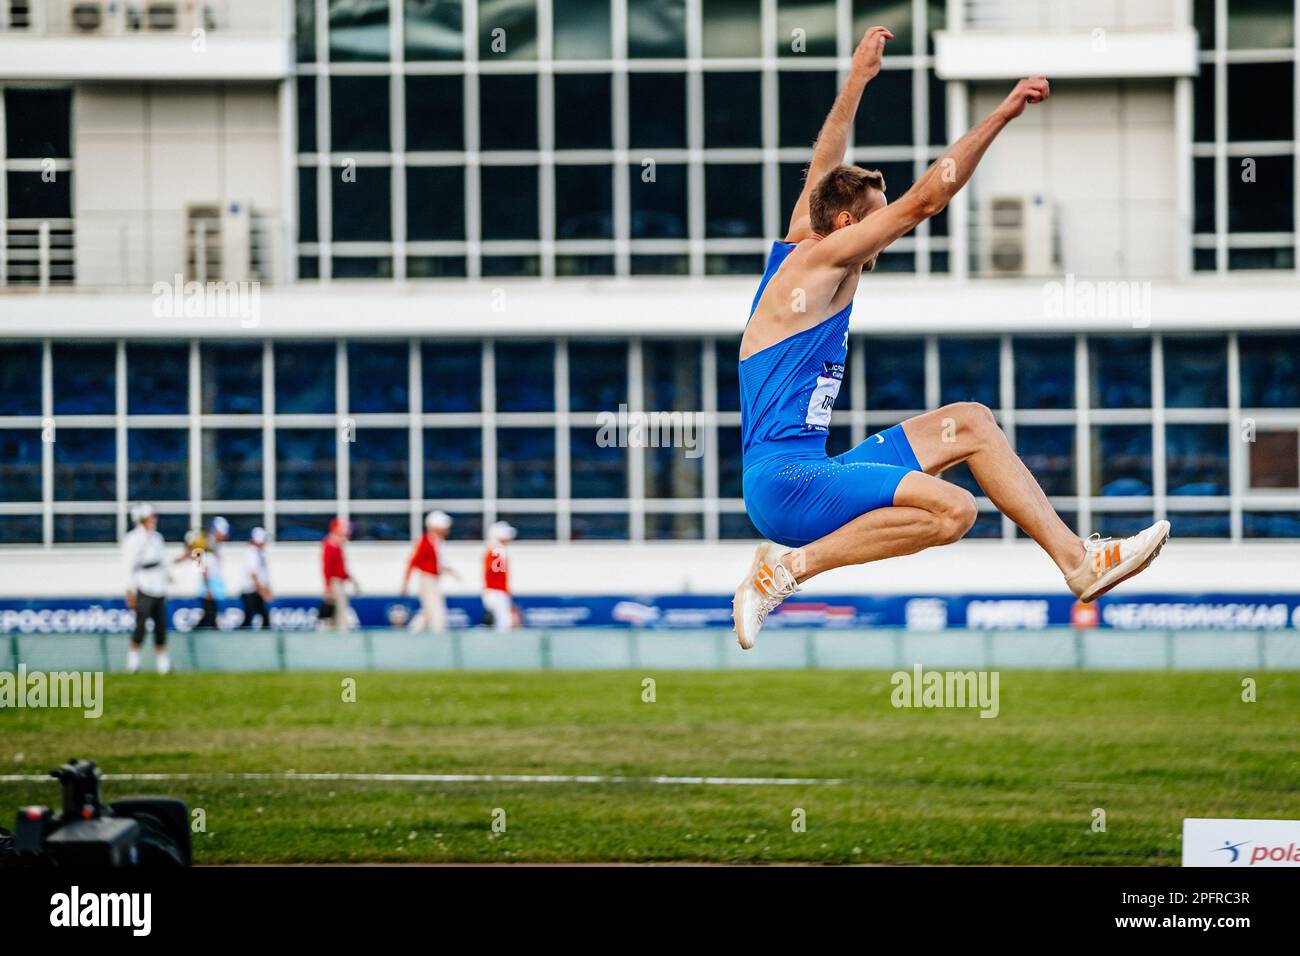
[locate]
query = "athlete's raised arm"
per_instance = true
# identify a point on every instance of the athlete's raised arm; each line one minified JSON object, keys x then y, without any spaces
{"x":860,"y":242}
{"x":833,"y":140}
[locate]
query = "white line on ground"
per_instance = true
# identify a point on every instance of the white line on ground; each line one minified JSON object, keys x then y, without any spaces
{"x":455,"y":778}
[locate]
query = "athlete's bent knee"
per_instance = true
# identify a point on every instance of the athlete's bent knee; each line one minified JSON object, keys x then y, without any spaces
{"x":957,"y":516}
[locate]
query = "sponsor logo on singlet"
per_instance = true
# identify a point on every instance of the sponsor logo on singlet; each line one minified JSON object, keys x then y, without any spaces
{"x":822,"y":401}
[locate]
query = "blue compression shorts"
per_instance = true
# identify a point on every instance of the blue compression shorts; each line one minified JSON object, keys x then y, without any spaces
{"x":795,"y":494}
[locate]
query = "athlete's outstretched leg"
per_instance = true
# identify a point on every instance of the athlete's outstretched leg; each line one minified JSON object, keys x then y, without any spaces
{"x":967,"y":431}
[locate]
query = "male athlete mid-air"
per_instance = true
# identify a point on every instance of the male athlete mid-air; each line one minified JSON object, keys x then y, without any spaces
{"x":881,"y":499}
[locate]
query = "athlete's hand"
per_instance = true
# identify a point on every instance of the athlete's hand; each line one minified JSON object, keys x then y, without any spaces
{"x":866,"y":58}
{"x":1034,"y":89}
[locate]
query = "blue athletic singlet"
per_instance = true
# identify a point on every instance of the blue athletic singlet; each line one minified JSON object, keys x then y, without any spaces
{"x":794,"y":493}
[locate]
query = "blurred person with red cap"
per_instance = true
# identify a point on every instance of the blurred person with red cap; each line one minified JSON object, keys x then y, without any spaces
{"x":339,"y":584}
{"x":427,"y":560}
{"x":498,"y":608}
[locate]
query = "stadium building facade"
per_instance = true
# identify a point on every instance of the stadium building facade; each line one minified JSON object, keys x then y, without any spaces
{"x":280,"y":261}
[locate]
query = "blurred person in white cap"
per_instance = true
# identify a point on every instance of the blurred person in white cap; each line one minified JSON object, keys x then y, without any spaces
{"x":145,"y":559}
{"x":212,"y":581}
{"x":427,"y":560}
{"x":497,"y":604}
{"x":255,"y":592}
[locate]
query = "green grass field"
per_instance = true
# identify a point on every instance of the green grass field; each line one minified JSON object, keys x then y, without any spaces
{"x":920,"y":786}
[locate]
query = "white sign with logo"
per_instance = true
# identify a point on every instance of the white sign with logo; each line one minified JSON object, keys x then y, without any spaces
{"x":1209,"y":842}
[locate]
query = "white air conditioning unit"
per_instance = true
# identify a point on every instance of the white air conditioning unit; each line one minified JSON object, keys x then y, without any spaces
{"x":219,"y":242}
{"x":1017,"y":236}
{"x":98,"y":17}
{"x":170,"y":16}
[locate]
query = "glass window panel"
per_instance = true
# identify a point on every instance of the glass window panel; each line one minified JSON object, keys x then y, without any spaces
{"x":805,"y":98}
{"x":1255,"y":117}
{"x":671,"y":473}
{"x":988,"y":525}
{"x":938,"y":93}
{"x":660,"y":265}
{"x":525,"y":463}
{"x":435,"y":113}
{"x":895,"y":373}
{"x":1275,"y":460}
{"x":895,"y":14}
{"x":730,"y":465}
{"x":1196,"y":371}
{"x":359,"y":114}
{"x":1270,"y":524}
{"x":672,"y":375}
{"x":525,"y":376}
{"x":1203,"y":174}
{"x":736,"y":526}
{"x":582,"y":29}
{"x":583,"y":118}
{"x":1201,"y":524}
{"x":960,"y":475}
{"x":1048,"y":453}
{"x":466,"y":526}
{"x":362,"y":210}
{"x":358,"y":31}
{"x":231,"y":378}
{"x":157,"y":379}
{"x":507,"y":30}
{"x":531,"y":526}
{"x":599,"y":526}
{"x":733,"y":201}
{"x":452,"y":374}
{"x":568,"y":266}
{"x":453,"y":463}
{"x":85,"y":529}
{"x":38,"y":123}
{"x":584,"y":202}
{"x":656,"y":28}
{"x":20,"y":529}
{"x":885,"y":116}
{"x":1121,"y":524}
{"x":970,"y":370}
{"x":362,"y":267}
{"x":1044,"y":372}
{"x":305,"y":17}
{"x":896,"y":262}
{"x":20,"y":464}
{"x":435,"y":203}
{"x":84,"y":464}
{"x":436,"y":267}
{"x":1262,"y":203}
{"x":159,"y":464}
{"x":733,"y":110}
{"x":1203,"y":102}
{"x":1270,"y":371}
{"x":1197,"y":459}
{"x":839,"y":439}
{"x":379,"y":377}
{"x":511,"y":266}
{"x":31,"y":197}
{"x":308,"y":228}
{"x":727,"y":365}
{"x":508,"y":111}
{"x":172,"y":527}
{"x":509,"y":202}
{"x":790,"y":179}
{"x":304,"y":464}
{"x":674,"y":527}
{"x":1260,"y":24}
{"x":1120,"y":368}
{"x":395,"y":526}
{"x":732,"y":28}
{"x":597,"y":376}
{"x":658,"y":201}
{"x":656,"y":110}
{"x":433,"y":29}
{"x":1121,"y":460}
{"x":598,"y":462}
{"x":85,"y":379}
{"x":301,"y":527}
{"x":379,"y":466}
{"x":306,"y":114}
{"x":232,"y":464}
{"x":1278,"y":257}
{"x":1203,"y":20}
{"x":304,"y":377}
{"x":20,"y":378}
{"x":805,"y":28}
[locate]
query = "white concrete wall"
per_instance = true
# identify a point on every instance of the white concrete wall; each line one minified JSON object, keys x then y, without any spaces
{"x":1103,"y":153}
{"x":1187,"y":567}
{"x":142,"y":153}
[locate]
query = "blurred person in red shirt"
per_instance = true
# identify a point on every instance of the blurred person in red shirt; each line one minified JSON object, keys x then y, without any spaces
{"x":497,"y":604}
{"x":339,"y":584}
{"x":427,"y":560}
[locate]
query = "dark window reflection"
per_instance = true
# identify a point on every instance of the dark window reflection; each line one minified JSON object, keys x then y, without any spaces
{"x":304,"y":463}
{"x":733,"y":201}
{"x":584,"y":202}
{"x":304,"y":377}
{"x":380,"y":463}
{"x":525,"y":376}
{"x":453,"y":463}
{"x":656,"y":110}
{"x":158,"y":460}
{"x":733,"y":105}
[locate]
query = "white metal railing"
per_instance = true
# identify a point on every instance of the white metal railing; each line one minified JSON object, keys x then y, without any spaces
{"x":109,"y":18}
{"x":134,"y":249}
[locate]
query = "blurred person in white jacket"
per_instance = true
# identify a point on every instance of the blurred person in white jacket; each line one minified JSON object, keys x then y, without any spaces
{"x":145,"y":562}
{"x":255,"y":592}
